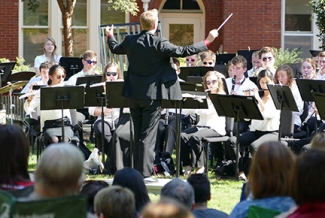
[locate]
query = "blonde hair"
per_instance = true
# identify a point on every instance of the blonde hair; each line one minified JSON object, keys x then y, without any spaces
{"x":148,"y":19}
{"x":112,"y":64}
{"x":52,"y":61}
{"x":318,"y":140}
{"x":88,"y":54}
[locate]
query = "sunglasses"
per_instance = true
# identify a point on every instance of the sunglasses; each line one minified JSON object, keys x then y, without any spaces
{"x":190,"y":59}
{"x":91,"y":62}
{"x":111,"y":73}
{"x":211,"y":82}
{"x":265,"y":58}
{"x":207,"y":63}
{"x":60,"y":76}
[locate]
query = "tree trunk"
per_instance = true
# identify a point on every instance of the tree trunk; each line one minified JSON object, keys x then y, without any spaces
{"x":67,"y":13}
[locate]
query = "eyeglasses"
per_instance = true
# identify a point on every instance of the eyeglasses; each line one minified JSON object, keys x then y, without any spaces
{"x":111,"y":73}
{"x":265,"y":58}
{"x":211,"y":82}
{"x":60,"y":76}
{"x":91,"y":62}
{"x":207,"y":63}
{"x":190,"y":59}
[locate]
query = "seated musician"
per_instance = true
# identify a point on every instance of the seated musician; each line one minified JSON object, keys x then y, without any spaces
{"x":261,"y":131}
{"x":52,"y":134}
{"x":210,"y":125}
{"x":39,"y":81}
{"x":284,"y":76}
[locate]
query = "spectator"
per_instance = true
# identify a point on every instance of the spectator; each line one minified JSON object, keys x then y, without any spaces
{"x":58,"y":172}
{"x":132,"y":179}
{"x":201,"y":186}
{"x":179,"y":190}
{"x":113,"y":202}
{"x":166,"y":208}
{"x":268,"y":180}
{"x":14,"y":158}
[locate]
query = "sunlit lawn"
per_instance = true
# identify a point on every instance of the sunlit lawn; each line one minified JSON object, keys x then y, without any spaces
{"x":225,"y":193}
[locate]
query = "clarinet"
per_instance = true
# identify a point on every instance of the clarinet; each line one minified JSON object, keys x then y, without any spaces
{"x":306,"y":120}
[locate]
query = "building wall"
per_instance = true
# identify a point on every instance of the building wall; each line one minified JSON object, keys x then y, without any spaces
{"x":9,"y":29}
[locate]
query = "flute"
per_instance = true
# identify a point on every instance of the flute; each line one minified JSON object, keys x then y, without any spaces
{"x":252,"y":90}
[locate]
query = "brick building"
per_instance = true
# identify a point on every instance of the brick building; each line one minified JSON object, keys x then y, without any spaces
{"x":255,"y":23}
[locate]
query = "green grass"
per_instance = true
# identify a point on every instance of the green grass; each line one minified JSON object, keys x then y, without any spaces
{"x":225,"y":193}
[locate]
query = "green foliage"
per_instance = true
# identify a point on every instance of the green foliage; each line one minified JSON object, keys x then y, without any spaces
{"x":288,"y":56}
{"x":318,"y":7}
{"x":32,"y":5}
{"x":20,"y":66}
{"x":130,"y":6}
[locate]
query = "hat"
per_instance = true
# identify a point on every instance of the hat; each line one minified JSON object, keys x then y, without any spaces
{"x":314,"y":53}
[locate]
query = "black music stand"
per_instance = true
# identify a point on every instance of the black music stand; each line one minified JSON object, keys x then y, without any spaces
{"x":72,"y":65}
{"x":283,"y":100}
{"x":116,"y":100}
{"x":238,"y":107}
{"x":191,"y":99}
{"x":89,"y":80}
{"x":319,"y":99}
{"x":95,"y":97}
{"x":224,"y":58}
{"x":69,"y":97}
{"x":193,"y":71}
{"x":5,"y":71}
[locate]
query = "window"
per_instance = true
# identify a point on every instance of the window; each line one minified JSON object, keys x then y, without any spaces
{"x":181,"y":5}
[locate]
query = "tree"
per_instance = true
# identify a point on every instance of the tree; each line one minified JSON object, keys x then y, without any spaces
{"x":318,"y":7}
{"x":67,"y":9}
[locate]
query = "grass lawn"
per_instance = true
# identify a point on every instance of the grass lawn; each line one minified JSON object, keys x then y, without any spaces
{"x":225,"y":193}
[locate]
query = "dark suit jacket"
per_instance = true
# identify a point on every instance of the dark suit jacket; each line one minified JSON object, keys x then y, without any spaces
{"x":150,"y":73}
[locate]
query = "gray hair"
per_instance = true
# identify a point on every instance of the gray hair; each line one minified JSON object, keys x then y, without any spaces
{"x":60,"y":169}
{"x":179,"y":190}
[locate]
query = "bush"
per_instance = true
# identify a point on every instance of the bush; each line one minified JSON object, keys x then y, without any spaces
{"x":287,"y":56}
{"x":20,"y":66}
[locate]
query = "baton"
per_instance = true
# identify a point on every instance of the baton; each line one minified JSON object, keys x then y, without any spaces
{"x":224,"y":22}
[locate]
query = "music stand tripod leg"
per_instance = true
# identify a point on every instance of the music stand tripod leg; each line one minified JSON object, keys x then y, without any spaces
{"x":178,"y":139}
{"x":237,"y":144}
{"x":103,"y":129}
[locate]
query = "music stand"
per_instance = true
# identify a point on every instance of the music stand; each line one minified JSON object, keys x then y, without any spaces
{"x":238,"y":107}
{"x":37,"y":87}
{"x":224,"y":58}
{"x":72,"y":65}
{"x":95,"y":97}
{"x":198,"y":81}
{"x":193,"y":71}
{"x":89,"y":80}
{"x":319,"y":99}
{"x":5,"y":71}
{"x":116,"y":100}
{"x":306,"y":86}
{"x":283,"y":100}
{"x":68,"y":97}
{"x":191,"y":99}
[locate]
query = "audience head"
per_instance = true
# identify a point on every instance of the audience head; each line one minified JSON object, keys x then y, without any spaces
{"x":89,"y":60}
{"x":208,"y":58}
{"x":264,"y":77}
{"x":112,"y":72}
{"x":90,"y":189}
{"x":132,"y":179}
{"x":149,"y":19}
{"x":308,"y":68}
{"x":14,"y":155}
{"x":213,"y":82}
{"x":201,"y":185}
{"x":180,"y":191}
{"x":321,"y":62}
{"x":318,"y":140}
{"x":270,"y":171}
{"x":166,"y":208}
{"x":191,"y":61}
{"x":308,"y":180}
{"x":44,"y":71}
{"x":113,"y":202}
{"x":49,"y":47}
{"x":267,"y":55}
{"x":284,"y":75}
{"x":59,"y":172}
{"x":240,"y":66}
{"x":56,"y":75}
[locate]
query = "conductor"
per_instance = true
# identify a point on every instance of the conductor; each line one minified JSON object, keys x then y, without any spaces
{"x":150,"y":78}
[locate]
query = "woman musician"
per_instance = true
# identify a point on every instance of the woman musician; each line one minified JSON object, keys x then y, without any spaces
{"x":261,"y":131}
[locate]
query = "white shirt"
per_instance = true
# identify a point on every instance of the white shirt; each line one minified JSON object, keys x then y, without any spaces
{"x":239,"y":89}
{"x":42,"y":58}
{"x":73,"y":79}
